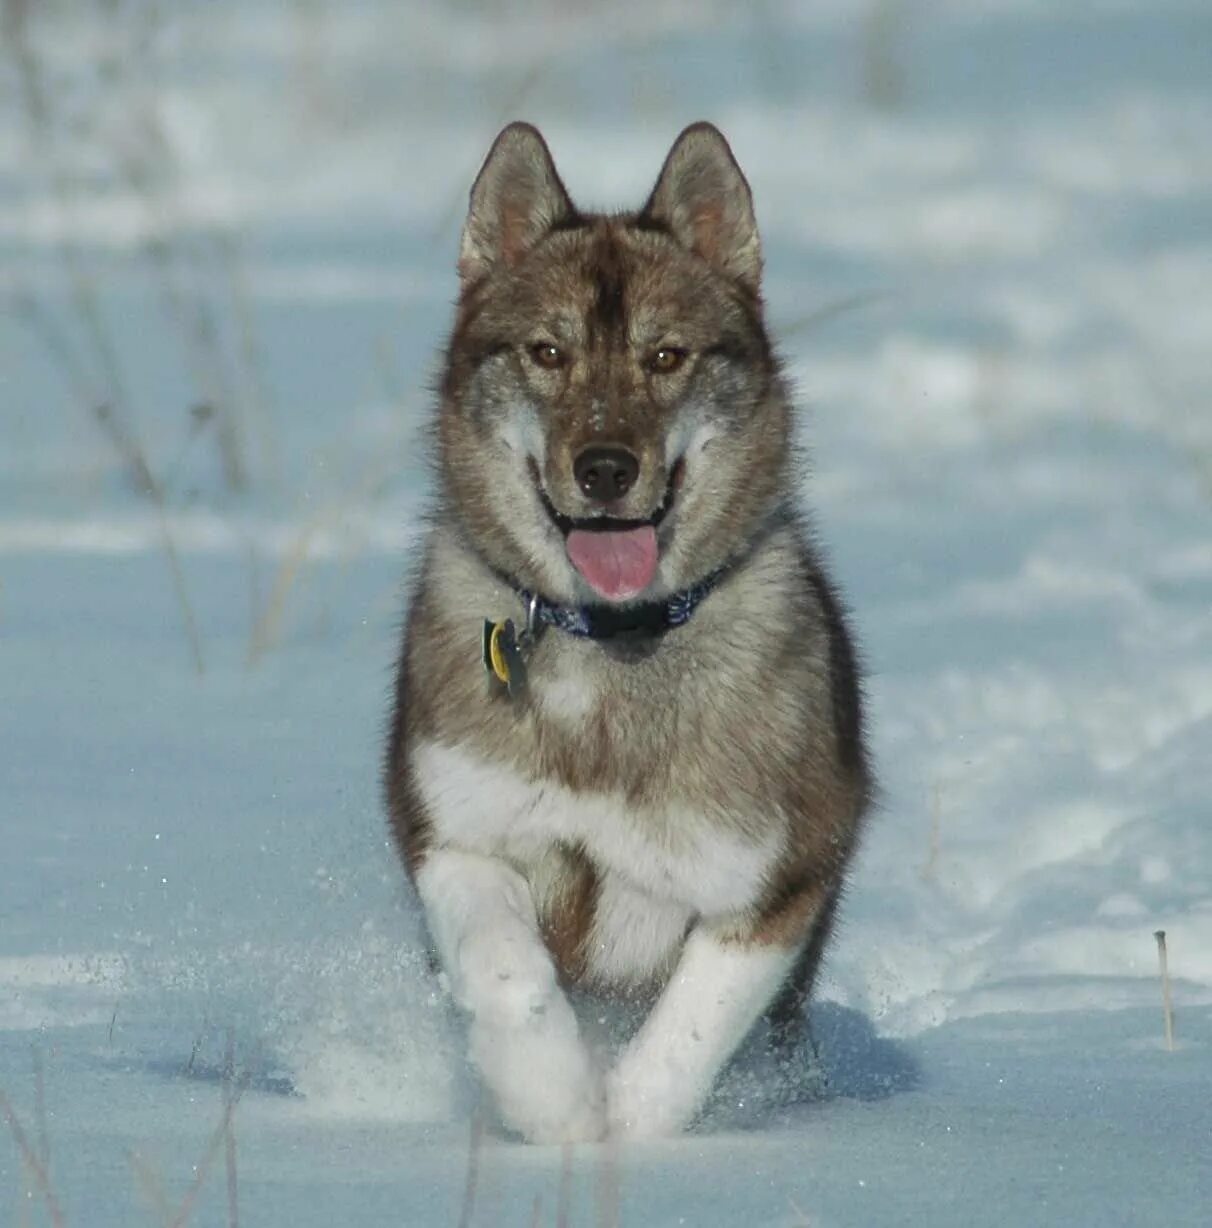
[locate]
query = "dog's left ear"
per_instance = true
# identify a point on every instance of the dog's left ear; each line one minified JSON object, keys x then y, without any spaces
{"x":704,"y":199}
{"x":516,"y":199}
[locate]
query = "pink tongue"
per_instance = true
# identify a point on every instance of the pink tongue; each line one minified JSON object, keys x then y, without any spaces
{"x":618,"y":564}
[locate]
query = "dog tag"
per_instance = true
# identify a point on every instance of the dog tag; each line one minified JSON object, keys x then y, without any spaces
{"x":504,"y":658}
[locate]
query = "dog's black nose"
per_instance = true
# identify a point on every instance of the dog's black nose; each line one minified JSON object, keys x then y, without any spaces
{"x":606,"y":473}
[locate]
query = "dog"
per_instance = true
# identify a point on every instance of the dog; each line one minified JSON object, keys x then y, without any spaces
{"x":627,"y":752}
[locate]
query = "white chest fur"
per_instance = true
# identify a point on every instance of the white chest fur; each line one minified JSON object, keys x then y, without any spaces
{"x":678,"y":857}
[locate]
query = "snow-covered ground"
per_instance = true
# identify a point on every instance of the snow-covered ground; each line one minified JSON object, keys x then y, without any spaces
{"x":990,"y":258}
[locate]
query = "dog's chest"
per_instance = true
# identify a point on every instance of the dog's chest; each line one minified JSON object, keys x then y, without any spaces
{"x":672,"y":854}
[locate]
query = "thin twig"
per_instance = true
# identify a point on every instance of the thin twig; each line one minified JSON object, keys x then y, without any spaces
{"x":564,"y":1195}
{"x":472,"y":1180}
{"x":1167,"y":1003}
{"x":831,"y":311}
{"x":217,"y":1138}
{"x":261,"y":398}
{"x":199,"y":329}
{"x":268,"y":626}
{"x":883,"y":38}
{"x":25,"y":1197}
{"x":196,"y":1048}
{"x":229,"y":1074}
{"x":508,"y":102}
{"x":803,"y":1219}
{"x":608,"y":1185}
{"x":40,"y":1109}
{"x":34,"y":1164}
{"x":152,"y":1188}
{"x":112,"y":409}
{"x":37,"y":103}
{"x":30,"y":312}
{"x":936,"y":833}
{"x":181,"y":590}
{"x":151,"y":176}
{"x":130,"y":450}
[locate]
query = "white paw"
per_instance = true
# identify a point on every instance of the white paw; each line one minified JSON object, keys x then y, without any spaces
{"x":505,"y":977}
{"x":542,"y":1076}
{"x":647,"y":1099}
{"x":583,"y":1122}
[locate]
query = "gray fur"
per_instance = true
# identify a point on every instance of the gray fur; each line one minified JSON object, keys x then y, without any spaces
{"x":749,"y":716}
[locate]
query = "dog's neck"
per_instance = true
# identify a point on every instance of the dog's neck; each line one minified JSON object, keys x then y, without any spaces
{"x":645,"y":619}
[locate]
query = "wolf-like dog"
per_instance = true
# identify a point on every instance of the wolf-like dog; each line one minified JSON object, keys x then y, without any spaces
{"x":658,"y":781}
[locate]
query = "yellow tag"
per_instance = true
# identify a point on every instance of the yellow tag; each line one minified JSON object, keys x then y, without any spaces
{"x":496,"y":658}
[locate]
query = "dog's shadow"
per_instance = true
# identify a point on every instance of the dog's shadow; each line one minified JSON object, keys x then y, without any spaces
{"x":834,"y":1054}
{"x":257,"y":1072}
{"x":858,"y":1064}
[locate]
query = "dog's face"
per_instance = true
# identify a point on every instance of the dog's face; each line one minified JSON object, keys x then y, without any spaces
{"x":613,"y":424}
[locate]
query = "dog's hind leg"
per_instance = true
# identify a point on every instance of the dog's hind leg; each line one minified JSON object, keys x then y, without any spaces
{"x":726,"y":978}
{"x":523,"y":1035}
{"x":786,"y":1013}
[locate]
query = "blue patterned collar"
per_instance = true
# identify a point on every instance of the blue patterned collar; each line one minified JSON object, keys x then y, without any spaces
{"x":605,"y":622}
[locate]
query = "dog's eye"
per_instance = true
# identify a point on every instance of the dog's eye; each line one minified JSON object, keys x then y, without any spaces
{"x":549,"y":357}
{"x":666,"y":359}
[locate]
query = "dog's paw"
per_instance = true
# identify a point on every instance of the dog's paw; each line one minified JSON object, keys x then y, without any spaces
{"x":506,"y":977}
{"x":546,"y":1085}
{"x":581,"y":1122}
{"x":646,"y":1099}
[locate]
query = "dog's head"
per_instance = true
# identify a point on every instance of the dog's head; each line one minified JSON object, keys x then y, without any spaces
{"x":613,"y":425}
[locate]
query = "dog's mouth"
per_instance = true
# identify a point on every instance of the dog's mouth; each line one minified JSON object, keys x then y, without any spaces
{"x":616,"y":556}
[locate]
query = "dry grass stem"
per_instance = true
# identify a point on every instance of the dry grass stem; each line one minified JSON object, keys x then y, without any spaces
{"x":193,"y":636}
{"x":151,"y":1187}
{"x":801,"y":1216}
{"x":267,"y":628}
{"x":181,"y":265}
{"x":883,"y":37}
{"x":217,"y":1140}
{"x":128,"y":448}
{"x":37,"y":101}
{"x":1167,"y":1002}
{"x":509,"y":101}
{"x":33,"y":1163}
{"x":233,"y":1186}
{"x":260,"y":397}
{"x":608,"y":1186}
{"x":475,"y":1144}
{"x":930,"y":869}
{"x":40,"y":1109}
{"x":831,"y":311}
{"x":98,"y":402}
{"x":25,"y":1198}
{"x":564,"y":1196}
{"x":200,"y":332}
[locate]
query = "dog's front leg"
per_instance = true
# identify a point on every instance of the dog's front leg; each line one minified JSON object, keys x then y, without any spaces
{"x":721,"y":984}
{"x":523,"y":1033}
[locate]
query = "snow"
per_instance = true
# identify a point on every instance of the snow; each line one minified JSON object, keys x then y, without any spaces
{"x":988,"y":258}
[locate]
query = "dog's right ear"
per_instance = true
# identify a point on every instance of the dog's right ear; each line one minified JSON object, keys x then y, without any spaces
{"x":704,"y":200}
{"x":517,"y":197}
